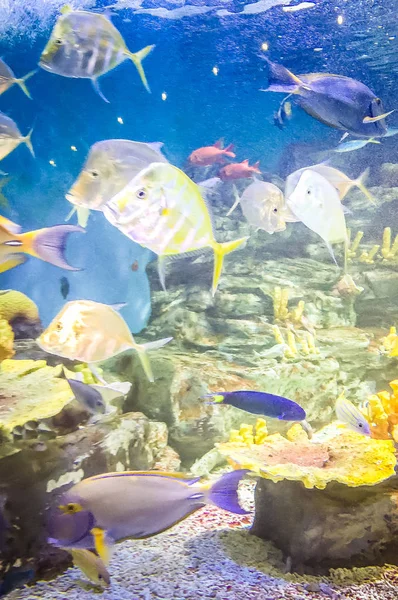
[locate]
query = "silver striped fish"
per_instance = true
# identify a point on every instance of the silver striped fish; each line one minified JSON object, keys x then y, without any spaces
{"x":87,"y":45}
{"x":164,"y":210}
{"x":349,"y":414}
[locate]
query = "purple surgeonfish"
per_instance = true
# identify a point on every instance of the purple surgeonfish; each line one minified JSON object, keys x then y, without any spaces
{"x":340,"y":102}
{"x":108,"y":508}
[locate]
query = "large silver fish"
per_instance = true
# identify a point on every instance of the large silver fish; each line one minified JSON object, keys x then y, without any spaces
{"x":87,"y":45}
{"x":340,"y":102}
{"x":107,"y":508}
{"x":109,"y":167}
{"x":263,"y":205}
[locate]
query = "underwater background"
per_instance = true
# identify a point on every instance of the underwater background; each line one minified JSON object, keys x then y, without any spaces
{"x":283,"y":321}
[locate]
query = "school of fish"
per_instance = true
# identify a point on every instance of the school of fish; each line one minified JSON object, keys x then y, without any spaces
{"x":157,"y":205}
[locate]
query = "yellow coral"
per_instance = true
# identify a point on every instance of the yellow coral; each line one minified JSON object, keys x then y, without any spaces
{"x":6,"y":340}
{"x":16,"y":304}
{"x":353,"y":247}
{"x":88,"y":376}
{"x":383,"y":413}
{"x":297,"y":433}
{"x":261,"y":431}
{"x":368,"y":257}
{"x":346,"y":457}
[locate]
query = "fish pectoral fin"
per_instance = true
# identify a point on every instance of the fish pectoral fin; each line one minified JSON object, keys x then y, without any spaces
{"x":378,"y":118}
{"x":102,"y":544}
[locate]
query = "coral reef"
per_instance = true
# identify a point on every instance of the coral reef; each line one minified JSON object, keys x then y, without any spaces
{"x":331,"y":500}
{"x":382,"y":413}
{"x":21,"y":312}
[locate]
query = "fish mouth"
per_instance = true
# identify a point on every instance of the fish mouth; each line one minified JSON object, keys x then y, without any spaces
{"x":73,"y":199}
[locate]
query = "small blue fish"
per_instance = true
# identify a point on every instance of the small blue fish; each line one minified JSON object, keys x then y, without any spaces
{"x":354,"y":145}
{"x":89,"y":397}
{"x":261,"y":403}
{"x":64,"y":287}
{"x":349,"y":414}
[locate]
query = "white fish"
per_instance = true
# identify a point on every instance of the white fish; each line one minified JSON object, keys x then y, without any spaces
{"x":354,"y":145}
{"x":337,"y":178}
{"x":349,"y":414}
{"x":111,"y":391}
{"x":316,"y":203}
{"x":262,"y":204}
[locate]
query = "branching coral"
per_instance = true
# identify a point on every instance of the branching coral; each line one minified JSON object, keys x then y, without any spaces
{"x":388,"y":250}
{"x":333,"y":454}
{"x":383,"y":413}
{"x":247,"y":434}
{"x":305,"y":340}
{"x":16,"y":304}
{"x":389,"y":343}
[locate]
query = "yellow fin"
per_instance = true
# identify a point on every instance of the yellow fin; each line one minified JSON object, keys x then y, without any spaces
{"x":67,"y":8}
{"x":14,"y":260}
{"x":378,"y":118}
{"x":102,"y":548}
{"x":137,"y":58}
{"x":220,"y":250}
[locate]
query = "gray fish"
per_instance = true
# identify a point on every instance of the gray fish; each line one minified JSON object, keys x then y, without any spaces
{"x":87,"y":45}
{"x":89,"y":397}
{"x":107,"y":508}
{"x":340,"y":102}
{"x":11,"y":137}
{"x":355,"y":144}
{"x":109,"y":167}
{"x":92,"y":566}
{"x":8,"y":79}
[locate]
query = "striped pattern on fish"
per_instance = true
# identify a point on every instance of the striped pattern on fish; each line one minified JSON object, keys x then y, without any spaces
{"x":163,"y":210}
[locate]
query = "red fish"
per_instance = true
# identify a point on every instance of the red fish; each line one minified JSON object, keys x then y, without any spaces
{"x":239,"y":170}
{"x":209,"y":155}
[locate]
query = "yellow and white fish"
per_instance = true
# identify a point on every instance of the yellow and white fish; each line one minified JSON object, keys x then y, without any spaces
{"x":337,"y":178}
{"x":87,"y":45}
{"x":91,"y":565}
{"x":92,"y":332}
{"x":164,"y":210}
{"x":316,"y":203}
{"x":262,"y":204}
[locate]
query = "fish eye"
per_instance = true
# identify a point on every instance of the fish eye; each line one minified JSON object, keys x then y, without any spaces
{"x":71,"y":508}
{"x":58,"y":42}
{"x":308,"y":192}
{"x":94,"y":173}
{"x":378,"y":101}
{"x":58,"y":327}
{"x":360,"y":424}
{"x":275,"y":210}
{"x":100,"y":576}
{"x":141,"y":194}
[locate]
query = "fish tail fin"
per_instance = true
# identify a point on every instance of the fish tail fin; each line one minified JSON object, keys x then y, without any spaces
{"x":213,"y":398}
{"x":49,"y":244}
{"x":257,"y":166}
{"x":360,"y":183}
{"x":373,"y":141}
{"x":28,"y":142}
{"x":137,"y":58}
{"x":162,"y":272}
{"x":142,"y":350}
{"x":220,"y":250}
{"x":283,"y":80}
{"x":224,"y":492}
{"x":229,"y":151}
{"x":21,"y":83}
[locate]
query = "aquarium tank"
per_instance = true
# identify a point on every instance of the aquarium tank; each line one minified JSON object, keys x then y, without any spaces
{"x":198,"y":299}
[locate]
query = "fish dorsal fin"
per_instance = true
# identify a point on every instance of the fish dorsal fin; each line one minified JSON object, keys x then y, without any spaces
{"x":7,"y":224}
{"x":157,"y":146}
{"x":245,"y":162}
{"x":219,"y":144}
{"x":66,"y":9}
{"x":184,"y":477}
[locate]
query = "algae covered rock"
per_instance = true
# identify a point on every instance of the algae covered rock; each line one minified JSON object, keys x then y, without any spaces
{"x":6,"y":340}
{"x":21,"y":313}
{"x":331,"y":500}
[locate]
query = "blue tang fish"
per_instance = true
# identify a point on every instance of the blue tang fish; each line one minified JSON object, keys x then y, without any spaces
{"x":104,"y":509}
{"x":261,"y":403}
{"x":335,"y":100}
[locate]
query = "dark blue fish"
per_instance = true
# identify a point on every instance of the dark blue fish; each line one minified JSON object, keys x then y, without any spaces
{"x":261,"y":403}
{"x":65,"y":287}
{"x":335,"y":100}
{"x":89,"y":397}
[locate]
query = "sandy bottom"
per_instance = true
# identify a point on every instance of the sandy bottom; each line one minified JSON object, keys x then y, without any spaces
{"x":212,"y":555}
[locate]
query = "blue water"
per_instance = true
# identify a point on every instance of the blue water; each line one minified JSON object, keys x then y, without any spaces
{"x":200,"y":108}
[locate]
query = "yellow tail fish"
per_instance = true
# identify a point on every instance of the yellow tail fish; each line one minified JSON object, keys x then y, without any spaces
{"x":164,"y":210}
